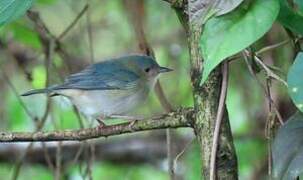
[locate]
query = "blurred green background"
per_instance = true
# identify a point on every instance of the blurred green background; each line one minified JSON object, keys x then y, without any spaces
{"x":113,"y":36}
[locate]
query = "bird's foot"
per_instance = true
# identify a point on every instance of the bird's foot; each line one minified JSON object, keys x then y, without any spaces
{"x":101,"y":123}
{"x":131,"y":124}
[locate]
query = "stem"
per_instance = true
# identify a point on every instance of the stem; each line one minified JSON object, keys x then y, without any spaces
{"x":180,"y":118}
{"x":219,"y":121}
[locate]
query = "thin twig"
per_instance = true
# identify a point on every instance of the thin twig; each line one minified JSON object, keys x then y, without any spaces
{"x":269,"y":72}
{"x":219,"y":118}
{"x":262,"y":86}
{"x":182,"y":152}
{"x":168,"y":108}
{"x":58,"y":161}
{"x":47,"y":157}
{"x":38,"y":124}
{"x":272,"y":47}
{"x":73,"y":23}
{"x":136,"y":15}
{"x":180,"y":118}
{"x":90,"y":32}
{"x":13,"y":88}
{"x":270,"y":119}
{"x":48,"y":50}
{"x":89,"y":146}
{"x":89,"y":160}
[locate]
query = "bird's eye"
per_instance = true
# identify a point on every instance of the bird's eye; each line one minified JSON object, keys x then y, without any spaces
{"x":147,"y":70}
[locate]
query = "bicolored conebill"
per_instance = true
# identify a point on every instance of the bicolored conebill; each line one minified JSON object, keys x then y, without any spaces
{"x":111,"y":87}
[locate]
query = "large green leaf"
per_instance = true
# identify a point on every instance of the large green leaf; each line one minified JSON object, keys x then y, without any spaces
{"x":287,"y":149}
{"x":226,"y":35}
{"x":201,"y":11}
{"x":12,"y":9}
{"x":299,"y":4}
{"x":290,"y":18}
{"x":295,"y":81}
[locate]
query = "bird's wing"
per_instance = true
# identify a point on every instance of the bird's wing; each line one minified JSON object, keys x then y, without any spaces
{"x":101,"y":76}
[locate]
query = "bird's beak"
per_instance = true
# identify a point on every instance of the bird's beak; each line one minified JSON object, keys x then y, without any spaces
{"x":164,"y":70}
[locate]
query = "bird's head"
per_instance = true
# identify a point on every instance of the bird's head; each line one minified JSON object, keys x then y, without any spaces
{"x":147,"y":67}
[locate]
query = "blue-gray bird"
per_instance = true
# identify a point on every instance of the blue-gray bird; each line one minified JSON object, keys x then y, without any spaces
{"x":111,"y":87}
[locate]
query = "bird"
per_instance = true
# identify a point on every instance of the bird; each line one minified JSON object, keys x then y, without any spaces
{"x":108,"y":88}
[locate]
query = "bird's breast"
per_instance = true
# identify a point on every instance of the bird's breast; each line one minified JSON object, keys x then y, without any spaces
{"x":106,"y":102}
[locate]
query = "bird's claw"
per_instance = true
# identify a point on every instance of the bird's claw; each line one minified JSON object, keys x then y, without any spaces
{"x":131,"y":124}
{"x":101,"y":123}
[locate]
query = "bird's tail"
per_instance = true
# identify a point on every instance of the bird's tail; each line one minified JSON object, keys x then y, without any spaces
{"x":36,"y":91}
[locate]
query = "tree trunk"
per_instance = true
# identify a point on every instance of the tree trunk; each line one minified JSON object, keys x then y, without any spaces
{"x":206,"y":100}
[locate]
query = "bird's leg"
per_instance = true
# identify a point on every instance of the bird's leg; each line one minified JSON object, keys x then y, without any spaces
{"x":131,"y":124}
{"x":100,"y":121}
{"x":132,"y":119}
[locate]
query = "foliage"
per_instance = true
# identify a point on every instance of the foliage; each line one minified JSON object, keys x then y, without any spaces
{"x":12,"y":9}
{"x":295,"y":83}
{"x":223,"y":36}
{"x":227,"y":35}
{"x":288,"y":149}
{"x":291,"y":19}
{"x":228,"y":28}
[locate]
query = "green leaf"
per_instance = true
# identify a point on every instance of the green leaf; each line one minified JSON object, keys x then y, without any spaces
{"x":39,"y":77}
{"x":287,"y":149}
{"x":12,"y":9}
{"x":22,"y":32}
{"x":201,"y":11}
{"x":289,"y":18}
{"x":299,"y":3}
{"x":229,"y":34}
{"x":295,"y":82}
{"x":46,"y":2}
{"x":224,"y":7}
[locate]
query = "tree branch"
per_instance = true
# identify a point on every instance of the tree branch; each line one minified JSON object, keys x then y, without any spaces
{"x":180,"y":118}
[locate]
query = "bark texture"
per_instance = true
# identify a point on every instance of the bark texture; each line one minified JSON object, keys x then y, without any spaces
{"x":179,"y":118}
{"x":206,"y":100}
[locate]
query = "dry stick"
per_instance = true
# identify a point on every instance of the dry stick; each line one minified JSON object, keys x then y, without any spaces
{"x":49,"y":53}
{"x":73,"y":23}
{"x":89,"y":32}
{"x":168,"y":108}
{"x":183,"y":117}
{"x":88,"y":170}
{"x":219,"y":118}
{"x":58,"y":161}
{"x":264,"y":89}
{"x":44,"y":32}
{"x":268,"y":127}
{"x":47,"y":157}
{"x":136,"y":16}
{"x":39,"y":125}
{"x":91,"y":160}
{"x":7,"y":80}
{"x":269,"y":72}
{"x":46,"y":36}
{"x":273,"y":46}
{"x":182,"y":152}
{"x":88,"y":145}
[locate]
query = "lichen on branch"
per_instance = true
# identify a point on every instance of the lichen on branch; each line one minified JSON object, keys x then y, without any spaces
{"x":179,"y":118}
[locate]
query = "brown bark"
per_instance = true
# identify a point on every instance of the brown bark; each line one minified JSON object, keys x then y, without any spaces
{"x":206,"y":101}
{"x":179,"y":118}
